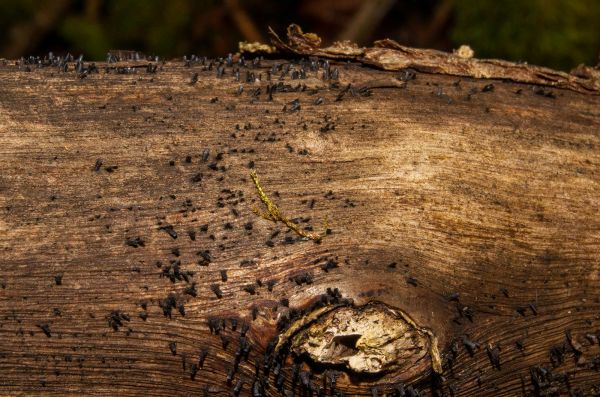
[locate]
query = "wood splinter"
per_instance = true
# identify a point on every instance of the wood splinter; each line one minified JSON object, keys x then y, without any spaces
{"x":274,"y":214}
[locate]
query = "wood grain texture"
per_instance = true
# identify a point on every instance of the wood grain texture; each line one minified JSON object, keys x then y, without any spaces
{"x":430,"y":190}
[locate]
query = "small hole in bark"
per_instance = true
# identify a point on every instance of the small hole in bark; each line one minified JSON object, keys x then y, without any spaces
{"x":346,"y":342}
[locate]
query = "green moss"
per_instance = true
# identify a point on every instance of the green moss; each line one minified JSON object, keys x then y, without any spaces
{"x":86,"y":35}
{"x":556,"y":33}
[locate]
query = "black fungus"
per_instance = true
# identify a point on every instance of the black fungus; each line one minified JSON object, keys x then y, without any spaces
{"x":471,"y":346}
{"x":216,"y":290}
{"x":115,"y":319}
{"x":168,"y":304}
{"x":191,"y":290}
{"x":250,"y":288}
{"x":169,"y":230}
{"x":197,"y":178}
{"x":202,"y":357}
{"x":193,"y":371}
{"x":302,"y":278}
{"x":135,"y":242}
{"x":330,"y":264}
{"x":46,"y":329}
{"x":205,"y":257}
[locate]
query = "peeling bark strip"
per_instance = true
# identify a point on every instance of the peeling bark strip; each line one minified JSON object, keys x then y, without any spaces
{"x":389,"y":55}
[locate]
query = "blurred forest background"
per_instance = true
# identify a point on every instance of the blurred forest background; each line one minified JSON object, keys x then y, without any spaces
{"x":556,"y":33}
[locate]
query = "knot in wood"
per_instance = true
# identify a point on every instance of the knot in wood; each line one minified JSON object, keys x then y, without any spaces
{"x":371,"y":339}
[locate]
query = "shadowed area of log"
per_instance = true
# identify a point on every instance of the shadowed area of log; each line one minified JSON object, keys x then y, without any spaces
{"x":132,"y":263}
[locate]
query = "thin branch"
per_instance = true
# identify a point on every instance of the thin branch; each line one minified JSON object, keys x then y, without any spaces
{"x":274,"y":214}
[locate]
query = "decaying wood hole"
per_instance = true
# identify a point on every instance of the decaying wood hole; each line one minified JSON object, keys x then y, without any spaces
{"x":460,"y":253}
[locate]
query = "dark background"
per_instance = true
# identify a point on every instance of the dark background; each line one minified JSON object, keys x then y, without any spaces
{"x":555,"y":33}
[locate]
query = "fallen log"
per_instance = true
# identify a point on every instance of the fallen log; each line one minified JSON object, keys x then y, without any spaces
{"x":413,"y":231}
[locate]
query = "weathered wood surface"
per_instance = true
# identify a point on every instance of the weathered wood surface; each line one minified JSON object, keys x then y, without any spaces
{"x":429,"y":190}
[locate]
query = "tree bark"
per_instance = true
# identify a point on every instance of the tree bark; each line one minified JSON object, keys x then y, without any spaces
{"x":461,"y":212}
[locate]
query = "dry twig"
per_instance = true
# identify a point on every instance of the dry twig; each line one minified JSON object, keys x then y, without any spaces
{"x":274,"y":214}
